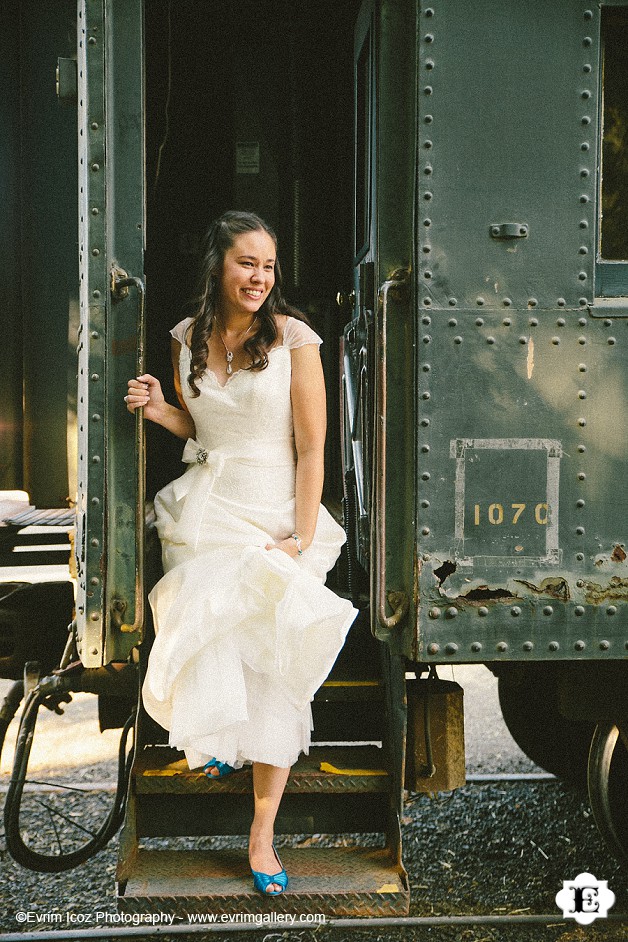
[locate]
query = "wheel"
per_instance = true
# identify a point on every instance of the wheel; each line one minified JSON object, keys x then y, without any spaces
{"x":529,"y":703}
{"x":608,"y":785}
{"x":56,"y":830}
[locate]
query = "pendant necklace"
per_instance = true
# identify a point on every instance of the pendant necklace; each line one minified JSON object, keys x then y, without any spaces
{"x":230,"y":352}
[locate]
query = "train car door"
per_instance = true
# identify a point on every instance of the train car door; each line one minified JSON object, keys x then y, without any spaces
{"x":111,"y":237}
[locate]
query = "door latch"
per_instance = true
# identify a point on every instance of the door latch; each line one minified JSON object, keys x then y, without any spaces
{"x":509,"y":230}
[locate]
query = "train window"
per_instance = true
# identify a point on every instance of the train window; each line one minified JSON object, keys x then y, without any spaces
{"x":363,"y":147}
{"x":613,"y":223}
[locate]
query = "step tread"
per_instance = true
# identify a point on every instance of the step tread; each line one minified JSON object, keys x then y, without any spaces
{"x":352,"y":880}
{"x":160,"y":769}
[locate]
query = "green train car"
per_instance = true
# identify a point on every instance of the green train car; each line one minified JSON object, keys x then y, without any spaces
{"x":450,"y":188}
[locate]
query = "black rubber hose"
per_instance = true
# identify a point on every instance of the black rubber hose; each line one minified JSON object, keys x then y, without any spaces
{"x":9,"y":708}
{"x":45,"y":863}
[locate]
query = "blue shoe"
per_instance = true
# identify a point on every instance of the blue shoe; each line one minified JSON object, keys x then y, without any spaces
{"x":263,"y":880}
{"x":223,"y":768}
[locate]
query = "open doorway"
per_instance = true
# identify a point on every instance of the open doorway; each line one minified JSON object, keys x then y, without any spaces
{"x":249,"y":106}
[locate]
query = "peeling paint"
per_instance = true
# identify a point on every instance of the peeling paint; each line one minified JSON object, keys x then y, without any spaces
{"x":555,"y":587}
{"x":619,"y":554}
{"x":530,"y":358}
{"x":616,"y":590}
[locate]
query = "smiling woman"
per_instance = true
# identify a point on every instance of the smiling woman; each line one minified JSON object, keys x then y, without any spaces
{"x":246,"y":542}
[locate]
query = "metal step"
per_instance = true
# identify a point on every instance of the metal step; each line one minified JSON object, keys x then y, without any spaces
{"x":339,"y":881}
{"x":327,"y":769}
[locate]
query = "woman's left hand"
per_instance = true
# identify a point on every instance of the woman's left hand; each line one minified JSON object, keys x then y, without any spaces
{"x":288,"y":546}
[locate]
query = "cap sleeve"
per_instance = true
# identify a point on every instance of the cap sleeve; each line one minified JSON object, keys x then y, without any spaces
{"x":178,"y":331}
{"x":296,"y":334}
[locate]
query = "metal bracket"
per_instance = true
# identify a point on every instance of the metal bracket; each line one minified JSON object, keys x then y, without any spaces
{"x":509,"y":230}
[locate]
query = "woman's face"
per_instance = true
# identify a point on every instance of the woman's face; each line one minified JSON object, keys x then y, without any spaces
{"x":248,"y":273}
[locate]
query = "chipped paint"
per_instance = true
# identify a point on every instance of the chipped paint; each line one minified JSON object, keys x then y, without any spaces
{"x":555,"y":587}
{"x":530,"y":358}
{"x":616,"y":591}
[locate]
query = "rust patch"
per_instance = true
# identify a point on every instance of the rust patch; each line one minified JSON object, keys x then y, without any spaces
{"x":616,"y":590}
{"x":557,"y":588}
{"x":619,"y":554}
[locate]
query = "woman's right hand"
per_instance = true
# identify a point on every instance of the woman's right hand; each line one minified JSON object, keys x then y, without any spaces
{"x":145,"y":391}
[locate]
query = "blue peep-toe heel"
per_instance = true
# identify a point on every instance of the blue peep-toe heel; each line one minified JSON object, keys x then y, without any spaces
{"x":263,"y":880}
{"x":223,"y":768}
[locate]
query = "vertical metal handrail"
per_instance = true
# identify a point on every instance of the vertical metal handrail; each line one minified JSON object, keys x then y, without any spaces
{"x":119,"y":286}
{"x":397,"y":600}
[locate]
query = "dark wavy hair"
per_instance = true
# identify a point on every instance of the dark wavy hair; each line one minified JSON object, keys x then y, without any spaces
{"x":220,"y":237}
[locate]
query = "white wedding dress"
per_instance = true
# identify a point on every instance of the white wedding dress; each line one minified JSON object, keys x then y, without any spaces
{"x":244,"y":635}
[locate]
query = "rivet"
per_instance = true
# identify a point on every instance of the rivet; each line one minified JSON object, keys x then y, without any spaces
{"x":555,"y":341}
{"x":96,"y":293}
{"x":588,"y":14}
{"x":584,"y":146}
{"x":429,"y":38}
{"x":523,"y":340}
{"x":427,"y":196}
{"x":506,"y":322}
{"x":579,"y":610}
{"x":583,"y":224}
{"x":507,"y":302}
{"x":608,"y":322}
{"x":528,"y":646}
{"x":427,"y":222}
{"x":560,"y":322}
{"x":458,"y":340}
{"x":553,"y":646}
{"x":426,"y":395}
{"x":426,"y":320}
{"x":95,"y":167}
{"x":427,"y":170}
{"x":425,"y":449}
{"x":582,"y":394}
{"x":476,"y":647}
{"x":611,"y":610}
{"x":451,"y":612}
{"x":586,"y":119}
{"x":582,"y":321}
{"x":582,"y":341}
{"x":433,"y":648}
{"x":425,"y":504}
{"x":515,"y":611}
{"x":94,"y":125}
{"x":451,"y":648}
{"x":94,"y":377}
{"x":584,"y":172}
{"x":501,"y":646}
{"x":532,"y":302}
{"x":533,"y":322}
{"x":586,"y":68}
{"x":611,"y":341}
{"x":94,"y":335}
{"x":579,"y":645}
{"x":427,"y":274}
{"x":483,"y":611}
{"x":429,"y":11}
{"x":580,"y":504}
{"x":427,"y":249}
{"x":604,"y":645}
{"x":582,"y":367}
{"x":584,"y":198}
{"x":587,"y":41}
{"x":427,"y":145}
{"x":479,"y":322}
{"x":453,"y":302}
{"x":479,"y":301}
{"x":95,"y":501}
{"x":429,"y":64}
{"x":495,"y":230}
{"x":425,"y":531}
{"x":582,"y":476}
{"x":92,"y":41}
{"x":425,"y":422}
{"x":490,"y":340}
{"x":94,"y":541}
{"x":94,"y":580}
{"x":95,"y":459}
{"x":582,"y":276}
{"x":579,"y":557}
{"x":428,"y":90}
{"x":580,"y":531}
{"x":561,"y":302}
{"x":452,"y":322}
{"x":425,"y":476}
{"x":95,"y":211}
{"x":548,"y":610}
{"x":586,"y":94}
{"x":95,"y":252}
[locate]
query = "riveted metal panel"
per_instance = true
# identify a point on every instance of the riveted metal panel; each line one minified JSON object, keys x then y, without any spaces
{"x":521,"y":530}
{"x":111,"y":233}
{"x":508,"y":143}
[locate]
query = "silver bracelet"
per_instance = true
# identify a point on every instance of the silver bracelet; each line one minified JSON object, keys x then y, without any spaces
{"x":297,"y":540}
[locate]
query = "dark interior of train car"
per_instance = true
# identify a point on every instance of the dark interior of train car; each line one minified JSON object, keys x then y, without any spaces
{"x":249,"y":106}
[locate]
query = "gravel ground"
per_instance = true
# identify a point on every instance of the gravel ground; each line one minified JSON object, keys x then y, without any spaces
{"x":487,"y":848}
